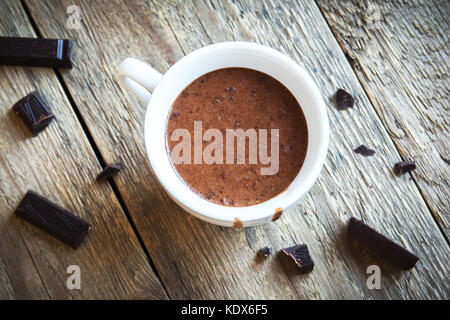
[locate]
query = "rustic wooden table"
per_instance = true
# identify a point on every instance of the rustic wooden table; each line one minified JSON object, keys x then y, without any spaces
{"x":392,"y":56}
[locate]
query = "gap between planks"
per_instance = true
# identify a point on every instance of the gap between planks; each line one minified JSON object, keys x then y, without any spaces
{"x":97,"y":153}
{"x":381,"y":120}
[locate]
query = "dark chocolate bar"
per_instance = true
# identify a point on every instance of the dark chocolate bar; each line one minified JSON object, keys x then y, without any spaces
{"x":53,"y":219}
{"x":301,"y":257}
{"x":110,"y":170}
{"x":35,"y":52}
{"x":378,"y":243}
{"x":36,"y":115}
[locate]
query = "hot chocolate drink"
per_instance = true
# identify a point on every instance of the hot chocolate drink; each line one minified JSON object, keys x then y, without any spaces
{"x":237,"y":137}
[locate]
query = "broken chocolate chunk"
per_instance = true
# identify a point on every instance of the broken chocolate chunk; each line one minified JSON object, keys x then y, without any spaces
{"x":404,"y":166}
{"x":52,"y":219}
{"x":266,"y":251}
{"x":110,"y":170}
{"x":344,"y":100}
{"x":365,"y":151}
{"x":34,"y":113}
{"x":378,"y":243}
{"x":301,"y":257}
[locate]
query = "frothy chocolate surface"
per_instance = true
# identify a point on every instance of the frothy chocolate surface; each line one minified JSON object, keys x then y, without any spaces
{"x":236,"y":98}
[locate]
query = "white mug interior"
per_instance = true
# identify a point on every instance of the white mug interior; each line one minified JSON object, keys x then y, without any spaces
{"x":228,"y":55}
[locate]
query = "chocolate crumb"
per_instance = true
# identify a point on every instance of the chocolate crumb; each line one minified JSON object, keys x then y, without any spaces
{"x":344,"y":100}
{"x":237,"y":223}
{"x":277,"y":215}
{"x":365,"y":151}
{"x":404,"y":166}
{"x":266,"y":251}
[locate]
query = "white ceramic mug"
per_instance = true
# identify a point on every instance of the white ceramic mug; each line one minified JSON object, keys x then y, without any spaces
{"x":159,"y":92}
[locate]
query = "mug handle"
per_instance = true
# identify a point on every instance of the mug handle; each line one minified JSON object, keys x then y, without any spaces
{"x":139,"y":78}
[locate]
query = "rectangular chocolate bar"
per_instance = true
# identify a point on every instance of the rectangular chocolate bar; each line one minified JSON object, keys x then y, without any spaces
{"x":53,"y":219}
{"x":35,"y":52}
{"x":378,"y":243}
{"x":36,"y":115}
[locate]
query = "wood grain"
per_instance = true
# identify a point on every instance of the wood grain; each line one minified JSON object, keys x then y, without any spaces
{"x":401,"y":56}
{"x":60,"y":164}
{"x":198,"y":260}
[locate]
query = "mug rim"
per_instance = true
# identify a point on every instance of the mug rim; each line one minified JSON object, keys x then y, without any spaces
{"x":228,"y":219}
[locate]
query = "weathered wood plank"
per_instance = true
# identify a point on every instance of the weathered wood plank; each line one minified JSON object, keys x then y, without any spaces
{"x":401,"y":58}
{"x":61,"y":165}
{"x":198,"y":260}
{"x":276,"y":25}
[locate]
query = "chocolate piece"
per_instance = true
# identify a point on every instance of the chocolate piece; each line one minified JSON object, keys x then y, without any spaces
{"x":110,"y":170}
{"x":344,"y":100}
{"x":266,"y":251}
{"x":363,"y":150}
{"x":53,"y":219}
{"x":378,"y":243}
{"x":33,"y":52}
{"x":300,"y":255}
{"x":33,"y":112}
{"x":404,"y":166}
